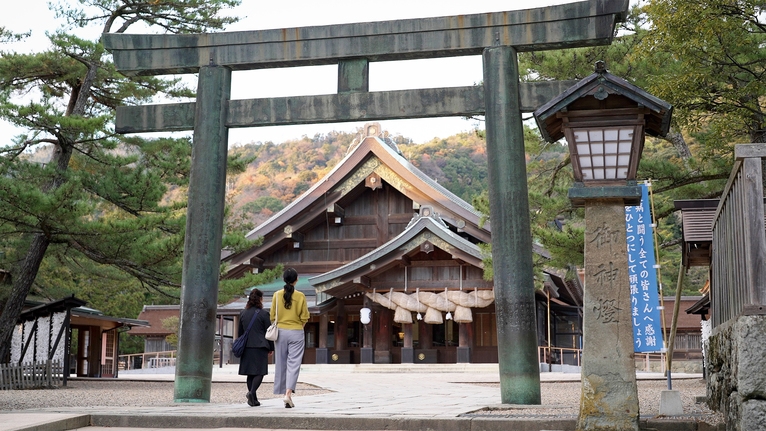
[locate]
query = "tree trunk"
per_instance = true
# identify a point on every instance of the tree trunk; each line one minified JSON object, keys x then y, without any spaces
{"x":27,"y":271}
{"x":678,"y":141}
{"x":21,"y":285}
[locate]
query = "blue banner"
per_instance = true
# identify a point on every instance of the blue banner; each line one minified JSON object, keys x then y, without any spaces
{"x":642,"y":274}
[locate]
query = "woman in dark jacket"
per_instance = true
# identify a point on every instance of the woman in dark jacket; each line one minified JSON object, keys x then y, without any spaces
{"x":254,"y":362}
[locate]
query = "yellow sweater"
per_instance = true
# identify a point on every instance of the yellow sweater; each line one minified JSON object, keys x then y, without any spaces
{"x":293,"y":318}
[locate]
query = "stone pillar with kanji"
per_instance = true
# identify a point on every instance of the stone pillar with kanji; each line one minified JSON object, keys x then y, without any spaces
{"x":609,"y":398}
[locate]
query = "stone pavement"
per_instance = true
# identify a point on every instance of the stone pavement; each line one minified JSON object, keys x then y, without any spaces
{"x":362,"y":397}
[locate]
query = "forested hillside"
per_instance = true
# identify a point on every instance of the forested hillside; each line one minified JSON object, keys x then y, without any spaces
{"x":280,"y":173}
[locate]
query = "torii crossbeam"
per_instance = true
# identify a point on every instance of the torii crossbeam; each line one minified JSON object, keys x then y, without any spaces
{"x":497,"y":36}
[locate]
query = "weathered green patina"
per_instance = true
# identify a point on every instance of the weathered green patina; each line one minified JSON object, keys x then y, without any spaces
{"x":497,"y":36}
{"x":202,"y":244}
{"x":333,"y":108}
{"x":583,"y":23}
{"x":511,"y":237}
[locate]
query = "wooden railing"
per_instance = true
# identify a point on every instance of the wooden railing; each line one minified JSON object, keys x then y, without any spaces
{"x":148,"y":360}
{"x":644,"y":362}
{"x":167,"y":358}
{"x":738,"y":265}
{"x":559,"y":355}
{"x":648,"y":362}
{"x":31,"y":375}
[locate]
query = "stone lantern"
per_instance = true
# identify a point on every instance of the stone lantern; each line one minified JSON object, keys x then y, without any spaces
{"x":605,"y":119}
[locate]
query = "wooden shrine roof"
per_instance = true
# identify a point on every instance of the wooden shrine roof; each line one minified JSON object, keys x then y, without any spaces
{"x":424,"y":231}
{"x":372,"y":155}
{"x":697,"y":218}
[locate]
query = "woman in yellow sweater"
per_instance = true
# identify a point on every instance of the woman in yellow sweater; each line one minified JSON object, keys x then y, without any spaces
{"x":289,"y":308}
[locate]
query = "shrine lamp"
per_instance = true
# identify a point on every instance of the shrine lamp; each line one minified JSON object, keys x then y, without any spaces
{"x":364,"y":315}
{"x":604,"y":119}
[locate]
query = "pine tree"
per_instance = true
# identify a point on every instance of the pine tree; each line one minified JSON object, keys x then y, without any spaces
{"x":100,"y":197}
{"x":704,"y":58}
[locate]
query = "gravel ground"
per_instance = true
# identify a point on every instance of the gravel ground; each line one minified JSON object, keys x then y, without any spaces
{"x":91,"y":393}
{"x":562,"y":400}
{"x":559,"y":399}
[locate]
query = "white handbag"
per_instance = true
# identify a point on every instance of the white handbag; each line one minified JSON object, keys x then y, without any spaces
{"x":272,"y":332}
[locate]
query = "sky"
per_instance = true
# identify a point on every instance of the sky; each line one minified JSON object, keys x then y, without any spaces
{"x":384,"y":76}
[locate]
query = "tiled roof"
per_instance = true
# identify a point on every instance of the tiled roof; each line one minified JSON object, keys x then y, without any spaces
{"x":155,"y":314}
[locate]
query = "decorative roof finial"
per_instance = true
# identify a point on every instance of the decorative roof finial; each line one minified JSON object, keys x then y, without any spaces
{"x":371,"y":129}
{"x":600,"y":66}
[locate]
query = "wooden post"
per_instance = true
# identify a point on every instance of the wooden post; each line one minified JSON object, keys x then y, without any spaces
{"x":322,"y":353}
{"x":425,"y":335}
{"x":383,"y":337}
{"x":366,"y":352}
{"x":465,"y":342}
{"x":341,"y":326}
{"x":408,"y":352}
{"x":323,"y":321}
{"x":674,"y":323}
{"x":81,"y":352}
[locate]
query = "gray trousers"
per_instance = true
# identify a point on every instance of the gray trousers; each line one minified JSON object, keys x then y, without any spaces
{"x":288,"y":355}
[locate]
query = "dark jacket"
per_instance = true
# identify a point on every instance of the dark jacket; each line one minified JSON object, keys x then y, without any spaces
{"x":256,"y":337}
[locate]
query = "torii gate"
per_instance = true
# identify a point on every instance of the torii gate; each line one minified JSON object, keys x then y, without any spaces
{"x":497,"y":36}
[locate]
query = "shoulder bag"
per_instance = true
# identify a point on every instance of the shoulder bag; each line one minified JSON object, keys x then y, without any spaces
{"x":238,"y":347}
{"x":273,"y":331}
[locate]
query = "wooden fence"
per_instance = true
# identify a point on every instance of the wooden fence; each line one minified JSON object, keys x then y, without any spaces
{"x":147,"y":360}
{"x":559,"y":355}
{"x":738,"y":265}
{"x":32,"y":375}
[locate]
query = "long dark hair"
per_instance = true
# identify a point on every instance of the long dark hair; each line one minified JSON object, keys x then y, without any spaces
{"x":255,"y":299}
{"x":289,"y":276}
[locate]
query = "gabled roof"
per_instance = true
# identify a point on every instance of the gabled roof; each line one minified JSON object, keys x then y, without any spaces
{"x":600,"y":85}
{"x":373,"y":154}
{"x":565,"y":292}
{"x":701,"y":307}
{"x":39,"y":309}
{"x":154,"y":315}
{"x":686,"y":320}
{"x":86,"y":316}
{"x":422,"y":229}
{"x":80,"y":315}
{"x":697,"y":219}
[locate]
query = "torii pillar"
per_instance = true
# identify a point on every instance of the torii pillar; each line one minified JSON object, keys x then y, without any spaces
{"x":204,"y":231}
{"x":511,"y":233}
{"x":498,"y":36}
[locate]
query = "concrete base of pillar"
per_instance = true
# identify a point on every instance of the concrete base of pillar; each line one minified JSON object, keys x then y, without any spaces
{"x":366,"y":355}
{"x":670,"y":403}
{"x":323,"y":356}
{"x":408,"y":355}
{"x":463,"y":355}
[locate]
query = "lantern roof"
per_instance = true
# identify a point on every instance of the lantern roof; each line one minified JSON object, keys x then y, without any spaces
{"x":602,"y":91}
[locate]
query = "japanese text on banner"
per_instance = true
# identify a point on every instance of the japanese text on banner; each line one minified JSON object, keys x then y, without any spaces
{"x":642,"y":275}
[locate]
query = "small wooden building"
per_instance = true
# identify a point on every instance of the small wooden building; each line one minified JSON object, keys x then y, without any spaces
{"x":377,"y":234}
{"x":688,"y":342}
{"x":155,"y":332}
{"x":45,"y":331}
{"x":697,"y":219}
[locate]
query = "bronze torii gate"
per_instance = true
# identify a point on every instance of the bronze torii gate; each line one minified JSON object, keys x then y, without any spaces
{"x":497,"y":36}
